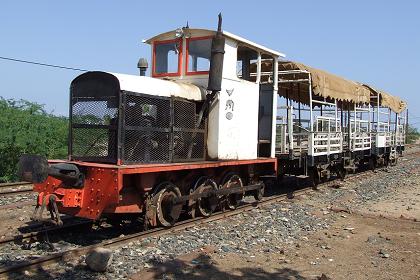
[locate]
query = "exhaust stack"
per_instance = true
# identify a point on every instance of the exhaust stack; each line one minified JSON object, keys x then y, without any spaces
{"x":216,"y":59}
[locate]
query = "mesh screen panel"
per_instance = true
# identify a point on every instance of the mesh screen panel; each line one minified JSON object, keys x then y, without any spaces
{"x":87,"y":111}
{"x":94,"y":123}
{"x":152,"y":129}
{"x":94,"y":142}
{"x":187,"y":140}
{"x":146,"y":146}
{"x":160,"y":130}
{"x":146,"y":111}
{"x":184,"y":114}
{"x":188,"y":146}
{"x":146,"y":131}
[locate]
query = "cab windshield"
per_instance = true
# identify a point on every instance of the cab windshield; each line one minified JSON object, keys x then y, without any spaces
{"x":198,"y":55}
{"x":167,"y":58}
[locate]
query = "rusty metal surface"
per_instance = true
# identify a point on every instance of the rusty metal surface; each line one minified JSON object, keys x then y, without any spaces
{"x":101,"y":190}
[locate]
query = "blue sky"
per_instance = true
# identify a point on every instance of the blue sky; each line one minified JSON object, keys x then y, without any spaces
{"x":375,"y":42}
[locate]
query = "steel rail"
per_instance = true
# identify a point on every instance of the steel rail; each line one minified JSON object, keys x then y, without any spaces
{"x":12,"y":184}
{"x":5,"y":187}
{"x":44,"y":230}
{"x":15,"y":192}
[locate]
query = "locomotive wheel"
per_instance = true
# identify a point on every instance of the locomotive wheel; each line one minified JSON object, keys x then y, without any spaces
{"x":167,"y":213}
{"x":232,"y":201}
{"x":205,"y":206}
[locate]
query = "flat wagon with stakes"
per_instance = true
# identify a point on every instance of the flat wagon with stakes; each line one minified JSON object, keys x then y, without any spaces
{"x":219,"y":117}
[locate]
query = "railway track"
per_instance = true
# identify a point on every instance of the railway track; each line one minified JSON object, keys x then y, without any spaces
{"x":40,"y":229}
{"x":6,"y":185}
{"x":53,"y":258}
{"x":6,"y":189}
{"x":56,"y":257}
{"x":36,"y":233}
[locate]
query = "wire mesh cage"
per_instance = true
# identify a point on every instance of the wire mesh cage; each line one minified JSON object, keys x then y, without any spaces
{"x":122,"y":127}
{"x":160,"y":130}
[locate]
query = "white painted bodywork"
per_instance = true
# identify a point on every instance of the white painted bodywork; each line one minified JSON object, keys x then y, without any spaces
{"x":233,"y":119}
{"x":233,"y":122}
{"x":381,"y":141}
{"x":159,"y":87}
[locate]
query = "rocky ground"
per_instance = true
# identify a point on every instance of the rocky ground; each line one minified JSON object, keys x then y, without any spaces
{"x":363,"y":228}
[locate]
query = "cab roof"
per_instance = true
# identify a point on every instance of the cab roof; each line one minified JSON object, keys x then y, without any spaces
{"x":198,"y":32}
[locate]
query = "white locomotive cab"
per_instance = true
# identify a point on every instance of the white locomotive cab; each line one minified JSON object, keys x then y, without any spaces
{"x":240,"y":123}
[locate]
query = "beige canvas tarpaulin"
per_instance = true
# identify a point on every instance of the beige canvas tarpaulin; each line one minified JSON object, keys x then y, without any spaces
{"x":388,"y":100}
{"x":328,"y":85}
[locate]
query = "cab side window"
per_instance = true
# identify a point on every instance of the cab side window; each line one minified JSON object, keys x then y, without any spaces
{"x":246,"y":64}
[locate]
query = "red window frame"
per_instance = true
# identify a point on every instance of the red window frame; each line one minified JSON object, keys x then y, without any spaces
{"x":178,"y":73}
{"x":187,"y":55}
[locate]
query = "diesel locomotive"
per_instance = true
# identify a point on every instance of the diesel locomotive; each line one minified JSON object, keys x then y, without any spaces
{"x":218,"y":118}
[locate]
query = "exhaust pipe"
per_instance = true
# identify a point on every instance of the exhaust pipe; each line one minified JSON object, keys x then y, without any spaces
{"x":216,"y":59}
{"x":215,"y":76}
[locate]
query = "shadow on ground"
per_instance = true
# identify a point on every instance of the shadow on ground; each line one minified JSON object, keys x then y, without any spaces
{"x":200,"y":267}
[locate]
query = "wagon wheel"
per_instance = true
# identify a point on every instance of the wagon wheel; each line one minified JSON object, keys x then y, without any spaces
{"x":204,"y":206}
{"x":393,"y":161}
{"x":314,"y":177}
{"x":372,"y":164}
{"x":167,"y":212}
{"x":341,"y":172}
{"x":259,"y":193}
{"x":232,"y":201}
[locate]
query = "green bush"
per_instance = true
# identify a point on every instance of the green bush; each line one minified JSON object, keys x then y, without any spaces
{"x":412,"y":134}
{"x":25,"y":127}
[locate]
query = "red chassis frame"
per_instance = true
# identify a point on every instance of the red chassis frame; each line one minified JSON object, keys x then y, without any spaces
{"x":103,"y":185}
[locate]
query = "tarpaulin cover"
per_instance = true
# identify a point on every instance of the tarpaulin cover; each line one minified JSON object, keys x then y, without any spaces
{"x":328,"y":85}
{"x":388,"y":100}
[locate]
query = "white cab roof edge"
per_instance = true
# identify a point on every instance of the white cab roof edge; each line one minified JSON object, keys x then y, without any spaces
{"x":227,"y":34}
{"x":255,"y":45}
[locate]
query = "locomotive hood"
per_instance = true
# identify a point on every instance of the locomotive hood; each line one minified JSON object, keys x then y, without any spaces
{"x":145,"y":85}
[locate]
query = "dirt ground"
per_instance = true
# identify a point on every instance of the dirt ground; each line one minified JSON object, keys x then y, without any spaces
{"x":379,"y":240}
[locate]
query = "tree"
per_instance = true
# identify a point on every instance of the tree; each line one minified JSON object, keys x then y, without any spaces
{"x":412,"y":134}
{"x":25,"y":127}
